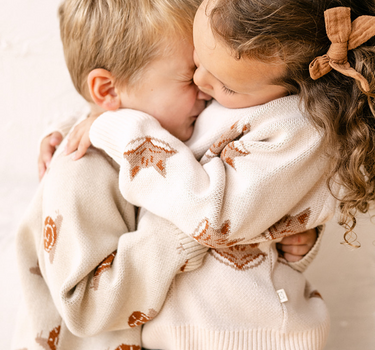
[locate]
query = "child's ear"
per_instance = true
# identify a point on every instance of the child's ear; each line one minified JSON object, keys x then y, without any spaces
{"x":102,"y":89}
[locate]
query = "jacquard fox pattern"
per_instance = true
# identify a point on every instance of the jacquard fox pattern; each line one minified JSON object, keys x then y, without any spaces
{"x":146,"y":152}
{"x":240,"y":257}
{"x":289,"y":225}
{"x":214,"y":238}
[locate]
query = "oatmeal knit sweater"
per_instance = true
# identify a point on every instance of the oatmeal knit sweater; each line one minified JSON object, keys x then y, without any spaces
{"x":89,"y":278}
{"x":262,"y":178}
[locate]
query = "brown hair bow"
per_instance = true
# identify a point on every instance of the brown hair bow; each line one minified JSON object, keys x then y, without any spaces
{"x":344,"y":36}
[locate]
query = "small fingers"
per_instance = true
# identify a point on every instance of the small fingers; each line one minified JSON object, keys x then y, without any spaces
{"x":298,"y":250}
{"x":45,"y":156}
{"x":55,"y":138}
{"x":82,"y":148}
{"x":41,"y":168}
{"x":308,"y":237}
{"x":73,"y":143}
{"x":292,"y":258}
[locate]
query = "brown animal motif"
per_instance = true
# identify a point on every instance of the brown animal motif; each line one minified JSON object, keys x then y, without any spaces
{"x":214,"y":238}
{"x":138,"y":318}
{"x":50,"y":235}
{"x":52,"y":341}
{"x":103,"y":266}
{"x":288,"y":225}
{"x":240,"y":257}
{"x":148,"y":152}
{"x":128,"y":347}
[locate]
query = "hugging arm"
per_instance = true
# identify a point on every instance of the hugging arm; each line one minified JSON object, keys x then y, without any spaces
{"x":273,"y":172}
{"x":101,"y":276}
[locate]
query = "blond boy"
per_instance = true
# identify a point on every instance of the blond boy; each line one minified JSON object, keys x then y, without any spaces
{"x":89,"y":279}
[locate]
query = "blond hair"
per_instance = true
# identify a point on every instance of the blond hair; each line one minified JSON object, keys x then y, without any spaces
{"x":121,"y":36}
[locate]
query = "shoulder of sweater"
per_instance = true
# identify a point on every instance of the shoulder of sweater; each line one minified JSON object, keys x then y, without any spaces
{"x":278,"y":110}
{"x":95,"y":168}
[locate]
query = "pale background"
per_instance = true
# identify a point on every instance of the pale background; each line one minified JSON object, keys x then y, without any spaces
{"x":35,"y":89}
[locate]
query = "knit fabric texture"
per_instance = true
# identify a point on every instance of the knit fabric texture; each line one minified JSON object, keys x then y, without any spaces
{"x":250,"y":177}
{"x":90,"y":280}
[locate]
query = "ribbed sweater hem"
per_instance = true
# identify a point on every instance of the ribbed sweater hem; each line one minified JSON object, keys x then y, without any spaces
{"x":195,"y":338}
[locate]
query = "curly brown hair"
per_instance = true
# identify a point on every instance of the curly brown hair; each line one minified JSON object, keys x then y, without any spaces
{"x":294,"y":31}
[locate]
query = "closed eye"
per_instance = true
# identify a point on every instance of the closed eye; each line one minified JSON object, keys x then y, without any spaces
{"x":227,"y":90}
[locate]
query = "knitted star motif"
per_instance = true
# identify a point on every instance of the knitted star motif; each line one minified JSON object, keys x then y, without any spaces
{"x":240,"y":257}
{"x":214,"y":238}
{"x":289,"y":225}
{"x":148,"y":152}
{"x":225,"y":147}
{"x":231,"y":151}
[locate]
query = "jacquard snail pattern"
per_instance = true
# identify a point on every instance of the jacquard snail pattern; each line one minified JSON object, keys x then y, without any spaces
{"x":49,"y":234}
{"x":51,"y":230}
{"x":138,"y":318}
{"x":103,"y":266}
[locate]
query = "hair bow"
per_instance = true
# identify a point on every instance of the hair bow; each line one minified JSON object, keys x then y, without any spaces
{"x":344,"y":35}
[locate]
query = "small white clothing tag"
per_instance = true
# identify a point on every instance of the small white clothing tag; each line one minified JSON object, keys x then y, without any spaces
{"x":282,"y":295}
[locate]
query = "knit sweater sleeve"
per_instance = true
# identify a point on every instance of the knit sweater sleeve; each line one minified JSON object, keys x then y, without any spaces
{"x":266,"y":166}
{"x":101,"y":276}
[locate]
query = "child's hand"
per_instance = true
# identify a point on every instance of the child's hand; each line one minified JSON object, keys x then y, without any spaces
{"x":79,"y":139}
{"x":296,"y":246}
{"x":47,"y":149}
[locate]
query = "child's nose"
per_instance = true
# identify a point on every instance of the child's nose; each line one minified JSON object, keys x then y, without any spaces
{"x":201,"y":79}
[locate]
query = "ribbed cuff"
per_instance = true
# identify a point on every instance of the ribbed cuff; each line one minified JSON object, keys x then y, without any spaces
{"x":112,"y":131}
{"x":192,"y":337}
{"x":195,"y":252}
{"x":302,"y":264}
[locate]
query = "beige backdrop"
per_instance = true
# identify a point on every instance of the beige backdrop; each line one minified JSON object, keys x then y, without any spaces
{"x":35,"y":89}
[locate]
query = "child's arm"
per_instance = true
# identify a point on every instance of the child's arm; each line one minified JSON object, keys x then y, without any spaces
{"x":78,"y":140}
{"x":52,"y":138}
{"x":102,"y":277}
{"x":272,"y":165}
{"x":46,"y":150}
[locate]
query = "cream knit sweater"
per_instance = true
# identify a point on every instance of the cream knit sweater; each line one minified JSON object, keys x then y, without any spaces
{"x":262,"y":178}
{"x":85,"y":270}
